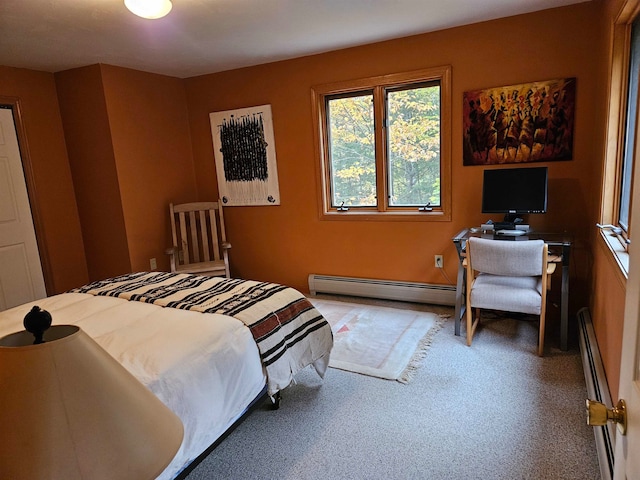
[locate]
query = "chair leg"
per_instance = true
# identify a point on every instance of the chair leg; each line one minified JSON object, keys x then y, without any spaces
{"x":472,"y":323}
{"x":541,"y":334}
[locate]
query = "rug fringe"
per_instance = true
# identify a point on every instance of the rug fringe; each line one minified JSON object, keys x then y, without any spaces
{"x":421,"y":352}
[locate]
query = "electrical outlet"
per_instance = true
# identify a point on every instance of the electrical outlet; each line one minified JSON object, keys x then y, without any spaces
{"x":153,"y":264}
{"x":439,"y":261}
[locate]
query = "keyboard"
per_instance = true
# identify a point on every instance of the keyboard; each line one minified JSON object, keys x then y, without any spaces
{"x":512,"y":233}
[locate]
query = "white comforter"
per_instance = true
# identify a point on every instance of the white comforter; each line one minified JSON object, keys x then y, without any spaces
{"x":289,"y":332}
{"x":203,"y":366}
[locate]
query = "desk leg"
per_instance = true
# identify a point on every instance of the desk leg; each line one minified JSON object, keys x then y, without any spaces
{"x":564,"y":308}
{"x":459,"y":298}
{"x":564,"y":300}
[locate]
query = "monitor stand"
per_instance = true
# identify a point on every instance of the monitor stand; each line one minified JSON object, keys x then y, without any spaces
{"x":504,"y":226}
{"x":509,"y":222}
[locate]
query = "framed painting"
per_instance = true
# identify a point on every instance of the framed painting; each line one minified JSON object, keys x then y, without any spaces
{"x":245,"y":156}
{"x":532,"y":122}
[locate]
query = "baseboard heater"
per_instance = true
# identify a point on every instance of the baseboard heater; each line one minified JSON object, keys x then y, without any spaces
{"x":383,"y":289}
{"x":597,"y":389}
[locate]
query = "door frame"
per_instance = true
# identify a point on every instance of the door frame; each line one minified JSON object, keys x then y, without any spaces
{"x":14,"y":104}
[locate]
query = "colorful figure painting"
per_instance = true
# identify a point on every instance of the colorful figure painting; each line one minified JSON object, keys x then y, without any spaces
{"x":244,"y":151}
{"x":532,"y":122}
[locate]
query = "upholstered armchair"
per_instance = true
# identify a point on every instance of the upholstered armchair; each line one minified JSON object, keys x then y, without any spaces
{"x":507,"y":275}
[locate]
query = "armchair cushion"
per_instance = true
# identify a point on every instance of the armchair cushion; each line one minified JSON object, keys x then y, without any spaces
{"x":510,"y":294}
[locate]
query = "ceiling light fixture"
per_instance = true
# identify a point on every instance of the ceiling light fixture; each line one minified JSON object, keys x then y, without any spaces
{"x":150,"y":9}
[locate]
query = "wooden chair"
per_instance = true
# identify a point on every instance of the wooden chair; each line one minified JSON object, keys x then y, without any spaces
{"x":199,"y":239}
{"x":511,"y":276}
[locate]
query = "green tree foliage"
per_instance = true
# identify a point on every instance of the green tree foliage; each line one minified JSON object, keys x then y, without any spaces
{"x":413,"y":148}
{"x":353,"y":162}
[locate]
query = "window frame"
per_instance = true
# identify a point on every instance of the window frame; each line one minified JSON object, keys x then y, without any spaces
{"x":379,"y":85}
{"x":616,"y":136}
{"x":628,"y":153}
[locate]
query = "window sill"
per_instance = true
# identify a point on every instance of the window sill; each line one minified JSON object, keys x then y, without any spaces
{"x":352,"y":215}
{"x":620,"y":255}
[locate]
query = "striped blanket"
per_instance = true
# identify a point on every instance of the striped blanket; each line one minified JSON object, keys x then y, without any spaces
{"x":290,"y":333}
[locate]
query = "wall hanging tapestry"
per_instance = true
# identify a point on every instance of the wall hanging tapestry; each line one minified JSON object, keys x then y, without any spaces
{"x":245,"y":155}
{"x":532,"y":122}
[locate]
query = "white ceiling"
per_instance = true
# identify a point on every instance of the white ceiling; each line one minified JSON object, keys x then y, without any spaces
{"x":207,"y":36}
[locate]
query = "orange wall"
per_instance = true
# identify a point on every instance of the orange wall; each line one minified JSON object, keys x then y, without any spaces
{"x":88,"y":138}
{"x":152,"y":148}
{"x":53,"y":197}
{"x":285,"y":243}
{"x":130,"y":153}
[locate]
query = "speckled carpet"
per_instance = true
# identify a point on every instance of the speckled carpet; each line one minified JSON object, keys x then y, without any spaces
{"x":491,"y":411}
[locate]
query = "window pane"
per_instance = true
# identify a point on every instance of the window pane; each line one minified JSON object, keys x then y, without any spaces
{"x":630,"y":140}
{"x":352,"y":151}
{"x":414,"y":146}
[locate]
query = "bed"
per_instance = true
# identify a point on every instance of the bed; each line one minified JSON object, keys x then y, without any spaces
{"x":208,"y":347}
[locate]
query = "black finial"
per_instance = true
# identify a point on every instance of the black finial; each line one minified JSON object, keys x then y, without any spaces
{"x":37,"y":321}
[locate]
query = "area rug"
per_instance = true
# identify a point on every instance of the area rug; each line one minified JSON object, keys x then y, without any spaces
{"x":381,"y":342}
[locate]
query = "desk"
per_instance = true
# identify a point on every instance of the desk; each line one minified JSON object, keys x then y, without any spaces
{"x":559,"y":251}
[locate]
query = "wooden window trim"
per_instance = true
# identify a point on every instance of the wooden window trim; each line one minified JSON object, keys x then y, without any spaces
{"x":318,"y":94}
{"x":616,"y":125}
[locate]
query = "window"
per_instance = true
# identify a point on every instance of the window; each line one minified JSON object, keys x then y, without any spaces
{"x":384,"y":146}
{"x":622,"y":134}
{"x":352,"y":156}
{"x":626,"y":168}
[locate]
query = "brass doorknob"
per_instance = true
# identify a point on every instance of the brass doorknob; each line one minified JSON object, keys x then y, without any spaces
{"x":598,"y":414}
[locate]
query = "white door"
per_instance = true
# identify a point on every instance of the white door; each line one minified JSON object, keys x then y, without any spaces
{"x":627,"y":452}
{"x":21,"y":278}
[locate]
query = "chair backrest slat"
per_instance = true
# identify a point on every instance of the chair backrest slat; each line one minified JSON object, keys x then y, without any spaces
{"x":184,"y":239}
{"x":193,"y":229}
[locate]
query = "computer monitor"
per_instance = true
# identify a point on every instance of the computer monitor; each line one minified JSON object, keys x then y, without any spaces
{"x":514,"y":191}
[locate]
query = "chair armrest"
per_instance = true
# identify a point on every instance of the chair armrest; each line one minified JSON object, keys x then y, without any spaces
{"x":174,"y":257}
{"x":551,"y":267}
{"x":226,"y":245}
